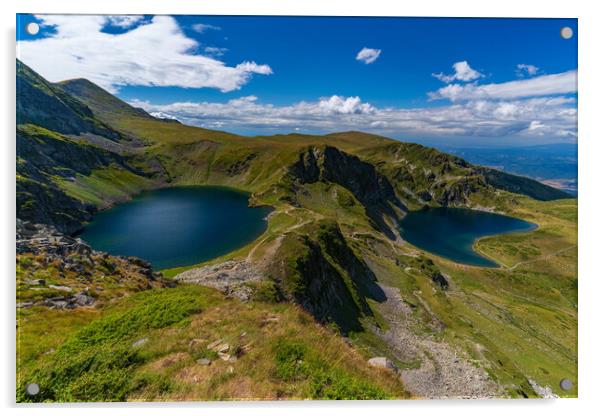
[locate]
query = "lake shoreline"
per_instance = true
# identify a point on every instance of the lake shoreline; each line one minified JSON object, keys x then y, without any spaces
{"x":453,"y":233}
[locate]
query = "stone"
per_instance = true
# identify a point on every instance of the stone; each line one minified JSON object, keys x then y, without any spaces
{"x":140,"y":342}
{"x":224,"y":356}
{"x":203,"y":361}
{"x":59,"y":287}
{"x":56,"y":303}
{"x":269,"y":319}
{"x":230,"y":277}
{"x":83,"y":299}
{"x":36,"y":282}
{"x":381,"y":362}
{"x":214,"y":344}
{"x":222,"y":347}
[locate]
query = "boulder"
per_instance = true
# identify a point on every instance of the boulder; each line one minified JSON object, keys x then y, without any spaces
{"x":381,"y":362}
{"x":83,"y":299}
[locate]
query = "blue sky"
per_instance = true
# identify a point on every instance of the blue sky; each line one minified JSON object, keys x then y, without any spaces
{"x":467,"y":80}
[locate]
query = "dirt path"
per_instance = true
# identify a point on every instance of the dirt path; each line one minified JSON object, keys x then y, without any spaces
{"x":540,"y":258}
{"x":443,"y":371}
{"x":273,"y":247}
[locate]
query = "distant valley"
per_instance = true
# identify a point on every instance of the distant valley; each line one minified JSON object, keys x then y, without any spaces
{"x":552,"y":164}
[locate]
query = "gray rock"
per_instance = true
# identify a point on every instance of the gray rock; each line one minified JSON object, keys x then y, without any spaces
{"x":58,"y":287}
{"x":230,"y":277}
{"x":203,"y":361}
{"x":83,"y":299}
{"x":381,"y":362}
{"x":36,"y":282}
{"x":55,"y":303}
{"x":140,"y":342}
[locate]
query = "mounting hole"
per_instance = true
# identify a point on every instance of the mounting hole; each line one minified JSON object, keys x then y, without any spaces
{"x":32,"y":389}
{"x":32,"y":28}
{"x":566,"y":384}
{"x":566,"y":32}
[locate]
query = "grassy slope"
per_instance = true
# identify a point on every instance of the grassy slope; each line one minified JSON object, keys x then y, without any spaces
{"x":522,"y":319}
{"x":89,"y":354}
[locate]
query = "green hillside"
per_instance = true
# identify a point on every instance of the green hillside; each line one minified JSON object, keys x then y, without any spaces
{"x":332,"y":264}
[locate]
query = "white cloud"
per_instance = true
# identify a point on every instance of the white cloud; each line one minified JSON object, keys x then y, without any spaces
{"x":201,"y":27}
{"x":526,"y":69}
{"x":154,"y":53}
{"x":462,"y":72}
{"x":342,"y":105}
{"x":535,"y":125}
{"x":215,"y":51}
{"x":368,"y":55}
{"x":563,"y":83}
{"x":550,"y":116}
{"x":162,"y":115}
{"x":124,"y":21}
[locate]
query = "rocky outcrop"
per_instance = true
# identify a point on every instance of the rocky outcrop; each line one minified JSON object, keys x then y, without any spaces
{"x":43,"y":159}
{"x":457,"y":192}
{"x":441,"y":280}
{"x":372,"y":189}
{"x":520,"y":185}
{"x":75,"y":274}
{"x":70,"y":302}
{"x":231,"y":278}
{"x":319,"y":271}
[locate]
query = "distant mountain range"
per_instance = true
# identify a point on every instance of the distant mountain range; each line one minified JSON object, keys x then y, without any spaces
{"x":552,"y":164}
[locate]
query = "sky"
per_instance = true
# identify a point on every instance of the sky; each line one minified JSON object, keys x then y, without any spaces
{"x":432,"y":80}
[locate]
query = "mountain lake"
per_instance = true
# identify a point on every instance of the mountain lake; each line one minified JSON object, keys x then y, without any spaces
{"x":178,"y":226}
{"x":452,"y":232}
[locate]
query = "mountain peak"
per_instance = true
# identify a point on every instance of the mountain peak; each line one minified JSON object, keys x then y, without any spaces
{"x":104,"y":104}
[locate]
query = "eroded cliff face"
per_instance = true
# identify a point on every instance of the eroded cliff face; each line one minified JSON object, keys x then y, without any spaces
{"x":45,"y":160}
{"x":317,"y":269}
{"x":372,"y":189}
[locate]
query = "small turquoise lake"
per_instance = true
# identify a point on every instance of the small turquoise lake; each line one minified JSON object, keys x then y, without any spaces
{"x":452,"y":232}
{"x":180,"y":226}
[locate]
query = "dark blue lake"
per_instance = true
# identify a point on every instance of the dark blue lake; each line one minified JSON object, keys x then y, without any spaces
{"x":452,"y":232}
{"x":178,"y":226}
